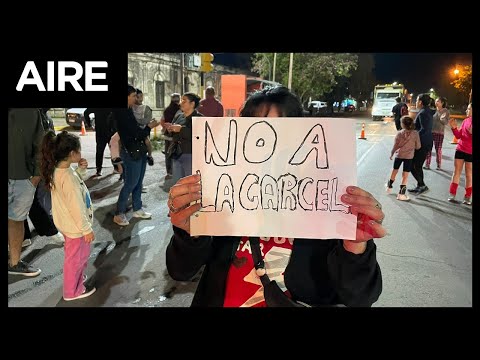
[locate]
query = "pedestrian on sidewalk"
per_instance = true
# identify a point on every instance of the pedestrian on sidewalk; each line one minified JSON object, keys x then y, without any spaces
{"x":407,"y":141}
{"x":463,"y":155}
{"x":71,"y":207}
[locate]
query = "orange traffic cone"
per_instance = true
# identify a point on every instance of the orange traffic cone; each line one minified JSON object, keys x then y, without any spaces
{"x":362,"y":134}
{"x":84,"y":132}
{"x":454,"y":141}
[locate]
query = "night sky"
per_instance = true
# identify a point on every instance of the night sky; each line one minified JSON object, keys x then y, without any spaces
{"x":417,"y":71}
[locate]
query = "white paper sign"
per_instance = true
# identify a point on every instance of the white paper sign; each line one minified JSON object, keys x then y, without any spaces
{"x":274,"y":176}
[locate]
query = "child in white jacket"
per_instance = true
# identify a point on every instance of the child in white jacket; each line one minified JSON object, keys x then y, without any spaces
{"x":71,"y":207}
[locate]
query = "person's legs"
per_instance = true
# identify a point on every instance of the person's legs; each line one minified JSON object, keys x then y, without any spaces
{"x":468,"y":183}
{"x":168,"y":160}
{"x":131,"y":173}
{"x":141,"y":165}
{"x":417,"y":171}
{"x":428,"y":159}
{"x":73,"y":267}
{"x":186,"y":161}
{"x":177,"y":170}
{"x":438,"y":142}
{"x":393,"y":175}
{"x":102,"y":142}
{"x":458,"y":163}
{"x":20,"y":198}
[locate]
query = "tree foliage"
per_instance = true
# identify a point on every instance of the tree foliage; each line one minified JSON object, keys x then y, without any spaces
{"x":463,"y":83}
{"x":313,"y":75}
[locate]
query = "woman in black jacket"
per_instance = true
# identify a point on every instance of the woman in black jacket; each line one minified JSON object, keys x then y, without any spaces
{"x":300,"y":271}
{"x":133,"y":152}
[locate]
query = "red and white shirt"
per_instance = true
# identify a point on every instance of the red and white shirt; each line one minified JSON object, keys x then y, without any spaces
{"x":244,"y":288}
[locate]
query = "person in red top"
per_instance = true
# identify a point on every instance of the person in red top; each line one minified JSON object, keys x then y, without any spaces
{"x":463,"y":155}
{"x":275,"y":271}
{"x":210,"y":106}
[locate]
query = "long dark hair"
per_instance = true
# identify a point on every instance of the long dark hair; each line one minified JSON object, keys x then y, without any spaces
{"x":56,"y":148}
{"x":286,"y":102}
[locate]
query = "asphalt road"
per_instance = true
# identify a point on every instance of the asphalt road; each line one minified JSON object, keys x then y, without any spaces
{"x":426,"y":260}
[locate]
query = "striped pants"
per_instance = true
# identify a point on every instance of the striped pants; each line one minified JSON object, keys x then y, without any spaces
{"x":437,"y":142}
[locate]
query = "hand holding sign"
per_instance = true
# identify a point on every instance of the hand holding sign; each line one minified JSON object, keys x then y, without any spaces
{"x":181,"y":195}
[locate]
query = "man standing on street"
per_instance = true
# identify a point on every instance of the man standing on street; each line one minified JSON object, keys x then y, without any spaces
{"x":103,"y":132}
{"x":25,"y":134}
{"x":210,"y":106}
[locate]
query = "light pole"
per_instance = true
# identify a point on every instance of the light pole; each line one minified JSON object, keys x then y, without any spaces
{"x":290,"y":68}
{"x":274,"y":65}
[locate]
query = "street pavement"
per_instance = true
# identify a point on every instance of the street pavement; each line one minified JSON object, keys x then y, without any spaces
{"x":426,"y":259}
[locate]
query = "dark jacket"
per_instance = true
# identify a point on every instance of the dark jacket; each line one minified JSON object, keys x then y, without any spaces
{"x":128,"y":128}
{"x":25,"y":135}
{"x":319,"y":273}
{"x":397,"y":114}
{"x":104,"y":126}
{"x":185,"y":134}
{"x":424,"y":124}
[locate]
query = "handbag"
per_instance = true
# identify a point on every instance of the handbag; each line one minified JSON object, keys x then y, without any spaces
{"x":174,"y":151}
{"x":274,"y":296}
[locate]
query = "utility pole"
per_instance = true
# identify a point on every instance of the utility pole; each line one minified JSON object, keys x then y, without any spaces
{"x":182,"y":65}
{"x":290,"y":72}
{"x":274,"y":65}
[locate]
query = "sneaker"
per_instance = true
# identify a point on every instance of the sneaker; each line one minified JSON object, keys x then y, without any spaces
{"x":388,"y":190}
{"x":422,"y":189}
{"x":415,"y":190}
{"x":426,"y":167}
{"x":121,"y":220}
{"x":150,"y":160}
{"x":451,"y":198}
{"x":27,"y":242}
{"x":87,"y":292}
{"x":22,"y":268}
{"x":142,"y":214}
{"x":403,"y":197}
{"x":439,"y":167}
{"x":58,"y":238}
{"x":467,"y":200}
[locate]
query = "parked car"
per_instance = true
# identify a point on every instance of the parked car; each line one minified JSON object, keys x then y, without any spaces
{"x":317,"y":107}
{"x":74,"y":118}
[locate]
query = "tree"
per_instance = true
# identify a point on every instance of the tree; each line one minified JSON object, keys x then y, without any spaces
{"x":463,"y":83}
{"x":362,"y":81}
{"x":314,"y":74}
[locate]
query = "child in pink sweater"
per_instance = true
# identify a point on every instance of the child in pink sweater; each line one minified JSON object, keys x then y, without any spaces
{"x":407,"y":141}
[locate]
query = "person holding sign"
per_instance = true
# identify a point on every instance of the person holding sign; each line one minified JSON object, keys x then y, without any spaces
{"x":276,"y":271}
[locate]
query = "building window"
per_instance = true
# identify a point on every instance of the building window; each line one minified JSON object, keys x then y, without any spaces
{"x":160,"y":94}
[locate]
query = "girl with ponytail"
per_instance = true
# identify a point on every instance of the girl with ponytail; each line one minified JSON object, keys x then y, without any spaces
{"x":71,"y":207}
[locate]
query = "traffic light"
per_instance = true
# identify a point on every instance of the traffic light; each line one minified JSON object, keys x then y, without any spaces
{"x":207,"y":59}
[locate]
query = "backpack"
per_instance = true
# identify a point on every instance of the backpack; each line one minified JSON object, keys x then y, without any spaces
{"x":403,"y":110}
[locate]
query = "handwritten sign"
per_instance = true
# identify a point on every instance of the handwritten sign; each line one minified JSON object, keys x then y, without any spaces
{"x":274,"y":176}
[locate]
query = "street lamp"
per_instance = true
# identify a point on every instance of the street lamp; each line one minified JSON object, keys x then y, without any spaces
{"x":456,"y":72}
